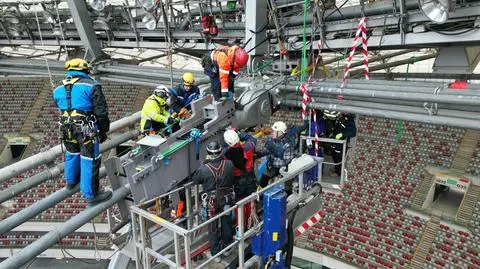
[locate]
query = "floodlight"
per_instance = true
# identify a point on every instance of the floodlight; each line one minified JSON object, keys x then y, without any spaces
{"x":98,"y":5}
{"x":101,"y":23}
{"x":435,"y":10}
{"x":150,"y":21}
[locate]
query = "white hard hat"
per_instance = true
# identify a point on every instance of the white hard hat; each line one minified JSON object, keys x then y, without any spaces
{"x":161,"y":91}
{"x":280,"y":128}
{"x":231,"y":137}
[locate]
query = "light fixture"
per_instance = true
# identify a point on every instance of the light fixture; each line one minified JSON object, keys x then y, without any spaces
{"x":98,"y":5}
{"x":435,"y":10}
{"x":148,"y":4}
{"x":149,"y":21}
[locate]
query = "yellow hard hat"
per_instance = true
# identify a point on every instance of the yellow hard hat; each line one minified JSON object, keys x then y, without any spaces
{"x":77,"y":64}
{"x":188,"y":79}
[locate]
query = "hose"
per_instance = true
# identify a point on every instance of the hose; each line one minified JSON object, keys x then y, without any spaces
{"x":289,"y":245}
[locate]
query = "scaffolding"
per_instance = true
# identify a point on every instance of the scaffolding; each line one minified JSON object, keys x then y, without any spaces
{"x":143,"y":221}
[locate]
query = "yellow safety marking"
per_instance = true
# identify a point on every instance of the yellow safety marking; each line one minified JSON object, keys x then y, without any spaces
{"x":275,"y":236}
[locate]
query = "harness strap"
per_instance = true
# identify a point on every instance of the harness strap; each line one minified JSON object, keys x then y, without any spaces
{"x":68,"y":84}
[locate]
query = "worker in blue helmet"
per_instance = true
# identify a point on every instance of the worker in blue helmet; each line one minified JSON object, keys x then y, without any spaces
{"x":84,"y":125}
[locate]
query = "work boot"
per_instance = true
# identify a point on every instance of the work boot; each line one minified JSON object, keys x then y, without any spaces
{"x":100,"y":197}
{"x":71,"y":186}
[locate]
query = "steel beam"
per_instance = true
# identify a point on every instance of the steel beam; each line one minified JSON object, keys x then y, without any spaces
{"x":435,"y":120}
{"x":427,"y":39}
{"x":434,"y":98}
{"x":61,"y":231}
{"x":50,"y":155}
{"x":84,"y":26}
{"x":425,"y":76}
{"x":55,"y":171}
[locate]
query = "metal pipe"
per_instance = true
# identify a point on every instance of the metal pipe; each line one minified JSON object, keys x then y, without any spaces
{"x":51,"y":238}
{"x":410,"y":60}
{"x":434,"y":98}
{"x":380,"y":57}
{"x":404,"y":108}
{"x":436,"y":120}
{"x":50,"y":155}
{"x":426,"y":76}
{"x":351,"y":12}
{"x":399,"y":87}
{"x":55,"y":171}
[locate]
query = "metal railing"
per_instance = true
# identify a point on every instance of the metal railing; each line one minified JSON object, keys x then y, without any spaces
{"x":143,"y":247}
{"x":343,"y":175}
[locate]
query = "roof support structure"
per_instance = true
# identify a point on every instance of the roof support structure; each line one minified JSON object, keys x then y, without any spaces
{"x":85,"y":29}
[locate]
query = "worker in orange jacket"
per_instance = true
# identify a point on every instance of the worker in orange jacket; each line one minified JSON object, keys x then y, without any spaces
{"x":222,"y":65}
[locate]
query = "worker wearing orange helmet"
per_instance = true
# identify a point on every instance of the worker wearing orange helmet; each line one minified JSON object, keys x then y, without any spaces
{"x":222,"y":65}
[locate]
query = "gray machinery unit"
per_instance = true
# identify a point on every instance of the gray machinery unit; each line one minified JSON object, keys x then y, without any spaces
{"x":159,"y":163}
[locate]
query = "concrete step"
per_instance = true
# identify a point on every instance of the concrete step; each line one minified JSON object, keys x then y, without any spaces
{"x":469,"y":202}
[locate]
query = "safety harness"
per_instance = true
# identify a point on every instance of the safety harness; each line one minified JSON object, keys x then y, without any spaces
{"x":211,"y":202}
{"x":76,"y":124}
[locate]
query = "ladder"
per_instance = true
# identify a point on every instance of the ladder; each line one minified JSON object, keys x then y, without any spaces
{"x":464,"y":153}
{"x":468,"y":204}
{"x":425,"y":244}
{"x":419,"y":197}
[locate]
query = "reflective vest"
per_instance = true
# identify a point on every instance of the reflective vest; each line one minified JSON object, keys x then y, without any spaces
{"x":224,"y":56}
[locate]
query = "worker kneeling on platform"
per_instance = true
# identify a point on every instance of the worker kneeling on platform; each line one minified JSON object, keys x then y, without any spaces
{"x":183,"y":95}
{"x":216,"y":177}
{"x":84,"y":125}
{"x":155,"y":116}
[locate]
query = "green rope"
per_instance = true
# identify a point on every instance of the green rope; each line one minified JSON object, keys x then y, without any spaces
{"x":306,"y":4}
{"x":263,"y":66}
{"x":399,"y":130}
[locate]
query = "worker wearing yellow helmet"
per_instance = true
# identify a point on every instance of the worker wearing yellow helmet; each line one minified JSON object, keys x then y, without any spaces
{"x":183,"y":95}
{"x":84,"y":125}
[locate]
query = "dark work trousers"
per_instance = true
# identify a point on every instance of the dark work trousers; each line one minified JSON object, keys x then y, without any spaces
{"x":220,"y":233}
{"x":337,"y":154}
{"x":211,"y":70}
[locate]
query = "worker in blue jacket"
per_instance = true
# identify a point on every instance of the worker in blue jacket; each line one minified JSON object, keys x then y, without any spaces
{"x":183,"y":95}
{"x":84,"y":125}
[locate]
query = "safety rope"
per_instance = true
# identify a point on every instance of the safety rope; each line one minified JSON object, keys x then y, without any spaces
{"x":362,"y":29}
{"x":306,"y":3}
{"x":61,"y":29}
{"x":306,"y":97}
{"x":43,"y":47}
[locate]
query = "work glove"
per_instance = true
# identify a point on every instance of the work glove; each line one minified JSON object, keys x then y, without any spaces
{"x":169,"y":120}
{"x":339,"y":136}
{"x":102,"y":136}
{"x":184,"y":113}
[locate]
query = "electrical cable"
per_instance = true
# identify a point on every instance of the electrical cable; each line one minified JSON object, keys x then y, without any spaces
{"x":448,"y":33}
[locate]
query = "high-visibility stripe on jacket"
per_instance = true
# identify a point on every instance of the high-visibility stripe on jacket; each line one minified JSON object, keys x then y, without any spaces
{"x":224,"y":57}
{"x":154,"y":109}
